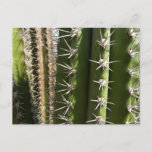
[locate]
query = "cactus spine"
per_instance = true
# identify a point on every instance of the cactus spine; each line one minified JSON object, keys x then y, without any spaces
{"x":50,"y":40}
{"x":133,"y":104}
{"x":43,"y":75}
{"x":38,"y":56}
{"x":75,"y":86}
{"x":61,"y":76}
{"x":120,"y":90}
{"x":99,"y":75}
{"x":31,"y":61}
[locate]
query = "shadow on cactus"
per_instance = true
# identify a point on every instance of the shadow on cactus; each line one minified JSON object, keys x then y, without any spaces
{"x":76,"y":76}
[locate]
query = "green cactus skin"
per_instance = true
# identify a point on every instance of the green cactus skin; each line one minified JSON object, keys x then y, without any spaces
{"x":61,"y":75}
{"x":77,"y":98}
{"x":98,"y":51}
{"x":80,"y":78}
{"x":133,"y":104}
{"x":21,"y":97}
{"x":119,"y":93}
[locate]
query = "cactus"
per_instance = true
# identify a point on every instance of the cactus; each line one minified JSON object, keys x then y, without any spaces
{"x":74,"y":96}
{"x":21,"y":96}
{"x":133,"y":104}
{"x":61,"y":73}
{"x":120,"y":94}
{"x":39,"y":58}
{"x":79,"y":80}
{"x":99,"y":76}
{"x":79,"y":75}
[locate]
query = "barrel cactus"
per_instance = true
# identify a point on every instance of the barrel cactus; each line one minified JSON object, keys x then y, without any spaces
{"x":76,"y":76}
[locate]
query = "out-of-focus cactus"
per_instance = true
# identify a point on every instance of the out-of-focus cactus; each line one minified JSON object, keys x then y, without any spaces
{"x":39,"y":57}
{"x":21,"y":96}
{"x":61,"y":76}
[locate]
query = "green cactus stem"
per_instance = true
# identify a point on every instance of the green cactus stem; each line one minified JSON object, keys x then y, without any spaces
{"x":133,"y":104}
{"x":75,"y":81}
{"x":120,"y":93}
{"x":99,"y":75}
{"x":61,"y":73}
{"x":80,"y":77}
{"x":21,"y":96}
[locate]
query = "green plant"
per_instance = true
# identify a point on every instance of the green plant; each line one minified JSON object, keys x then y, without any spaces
{"x":126,"y":50}
{"x":99,"y":76}
{"x":83,"y":75}
{"x":21,"y":96}
{"x":75,"y":82}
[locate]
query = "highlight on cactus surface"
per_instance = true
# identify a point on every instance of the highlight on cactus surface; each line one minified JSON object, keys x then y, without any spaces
{"x":76,"y":76}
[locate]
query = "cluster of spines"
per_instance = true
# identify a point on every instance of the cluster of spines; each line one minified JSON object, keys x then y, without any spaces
{"x":66,"y":86}
{"x":133,"y":106}
{"x":31,"y":61}
{"x":102,"y":49}
{"x":21,"y":96}
{"x":75,"y":65}
{"x":51,"y":43}
{"x":41,"y":71}
{"x":43,"y":74}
